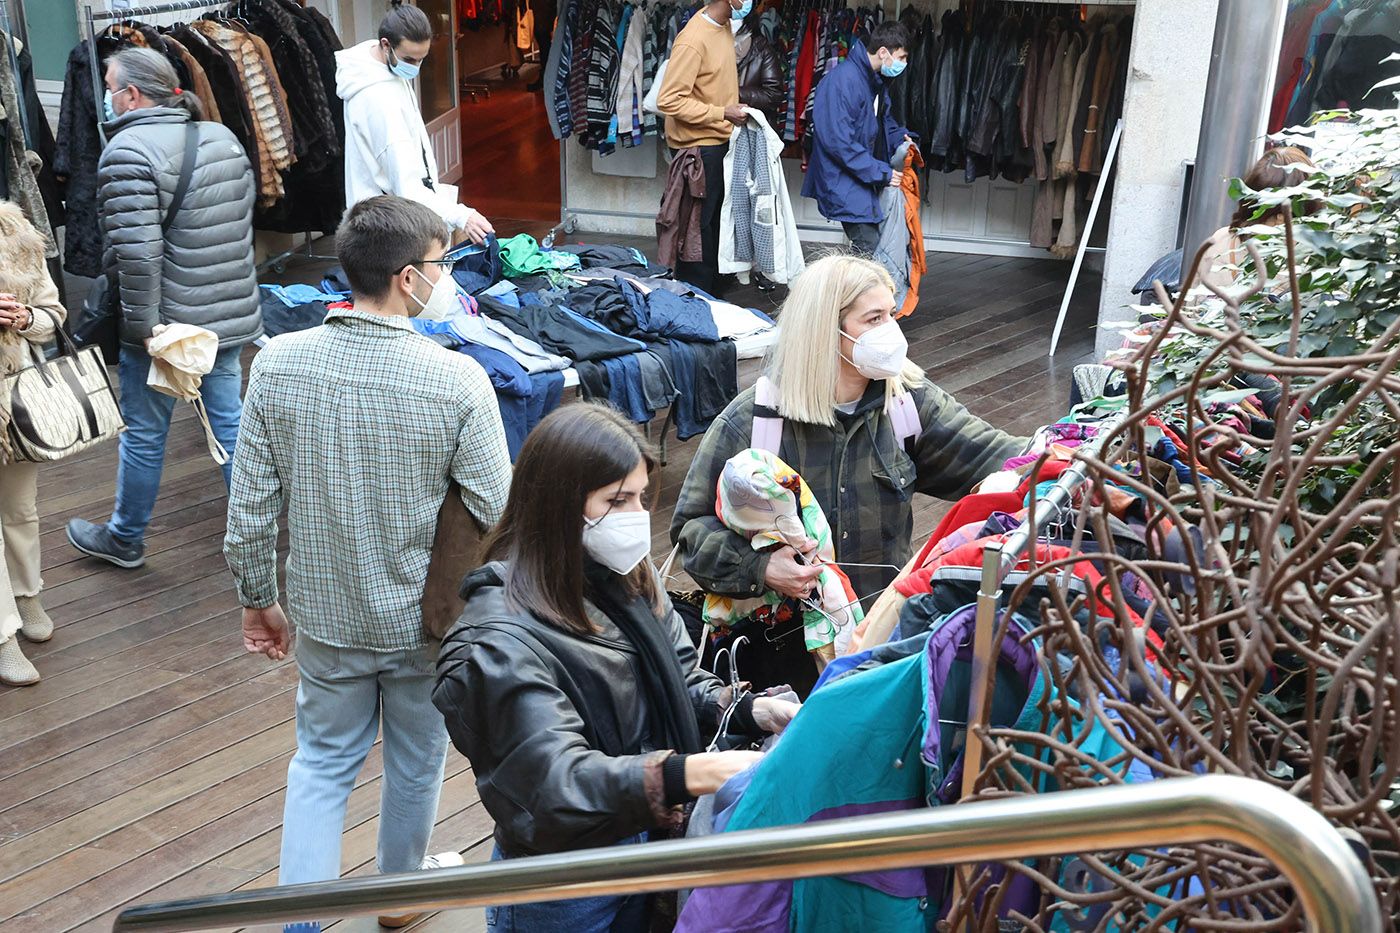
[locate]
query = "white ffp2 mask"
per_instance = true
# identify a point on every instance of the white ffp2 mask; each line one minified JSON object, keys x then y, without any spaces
{"x":618,"y":540}
{"x":442,"y":303}
{"x":881,"y":352}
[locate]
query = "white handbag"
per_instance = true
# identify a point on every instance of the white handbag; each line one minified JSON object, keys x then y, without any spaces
{"x":60,"y":407}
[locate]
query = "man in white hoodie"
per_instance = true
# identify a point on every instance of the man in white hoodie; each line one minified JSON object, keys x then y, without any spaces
{"x":387,"y":148}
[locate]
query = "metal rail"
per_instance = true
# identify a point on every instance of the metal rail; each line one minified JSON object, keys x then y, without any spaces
{"x":998,"y":560}
{"x":1332,"y":885}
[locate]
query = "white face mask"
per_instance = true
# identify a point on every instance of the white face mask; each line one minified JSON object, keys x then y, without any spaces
{"x":618,"y":540}
{"x":442,"y":303}
{"x":881,"y":352}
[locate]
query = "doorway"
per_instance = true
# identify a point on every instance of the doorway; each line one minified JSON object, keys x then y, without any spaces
{"x":510,"y":159}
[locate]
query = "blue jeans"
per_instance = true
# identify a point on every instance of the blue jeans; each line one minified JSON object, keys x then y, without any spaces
{"x":616,"y":914}
{"x":147,"y":414}
{"x":342,"y":696}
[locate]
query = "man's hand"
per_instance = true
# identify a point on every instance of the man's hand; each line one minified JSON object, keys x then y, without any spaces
{"x":735,"y":114}
{"x":477,"y":227}
{"x":786,"y":575}
{"x":896,"y":179}
{"x":13,"y":314}
{"x":265,"y":631}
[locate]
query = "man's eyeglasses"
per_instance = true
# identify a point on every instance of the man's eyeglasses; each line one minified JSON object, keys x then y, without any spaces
{"x":441,"y":263}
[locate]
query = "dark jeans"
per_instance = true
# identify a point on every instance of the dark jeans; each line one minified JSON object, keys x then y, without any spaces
{"x":864,"y":237}
{"x":624,"y":913}
{"x":705,"y":274}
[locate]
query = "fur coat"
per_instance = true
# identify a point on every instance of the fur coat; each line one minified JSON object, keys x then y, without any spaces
{"x":24,"y":273}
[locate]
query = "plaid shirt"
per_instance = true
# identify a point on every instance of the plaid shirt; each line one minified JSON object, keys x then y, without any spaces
{"x":356,"y":427}
{"x":860,"y":475}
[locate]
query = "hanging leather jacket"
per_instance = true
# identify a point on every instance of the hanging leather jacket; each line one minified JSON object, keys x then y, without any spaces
{"x":921,"y":100}
{"x":944,"y":122}
{"x":760,"y":76}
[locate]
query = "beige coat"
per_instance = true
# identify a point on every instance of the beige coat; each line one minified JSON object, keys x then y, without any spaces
{"x":23,"y":274}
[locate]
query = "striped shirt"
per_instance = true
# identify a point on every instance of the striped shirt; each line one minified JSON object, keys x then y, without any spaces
{"x":356,"y":427}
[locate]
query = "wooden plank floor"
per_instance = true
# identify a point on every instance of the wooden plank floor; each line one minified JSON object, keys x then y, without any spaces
{"x":151,"y":761}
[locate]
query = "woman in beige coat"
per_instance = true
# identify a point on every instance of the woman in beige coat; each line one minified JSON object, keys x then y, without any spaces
{"x":29,"y":312}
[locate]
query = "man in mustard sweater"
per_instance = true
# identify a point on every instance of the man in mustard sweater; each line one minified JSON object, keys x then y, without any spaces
{"x":700,"y":100}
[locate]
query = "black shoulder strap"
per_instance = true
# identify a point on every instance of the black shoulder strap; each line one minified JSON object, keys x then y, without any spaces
{"x":186,"y":173}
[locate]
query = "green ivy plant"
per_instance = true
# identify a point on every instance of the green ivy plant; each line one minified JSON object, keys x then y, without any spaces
{"x":1347,"y":252}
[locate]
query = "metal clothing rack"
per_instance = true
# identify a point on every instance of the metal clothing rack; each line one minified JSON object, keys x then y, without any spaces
{"x":998,"y":560}
{"x":121,"y":13}
{"x":277,"y":263}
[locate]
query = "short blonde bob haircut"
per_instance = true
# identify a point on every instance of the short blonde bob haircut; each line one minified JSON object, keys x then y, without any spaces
{"x":805,"y":361}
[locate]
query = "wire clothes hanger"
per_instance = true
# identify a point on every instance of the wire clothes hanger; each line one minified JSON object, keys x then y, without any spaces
{"x":736,"y":686}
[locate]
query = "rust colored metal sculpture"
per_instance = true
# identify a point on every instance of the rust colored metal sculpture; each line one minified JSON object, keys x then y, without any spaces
{"x":1277,"y":654}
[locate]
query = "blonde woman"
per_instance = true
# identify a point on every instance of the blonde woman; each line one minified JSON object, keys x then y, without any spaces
{"x":29,"y":311}
{"x":844,"y":395}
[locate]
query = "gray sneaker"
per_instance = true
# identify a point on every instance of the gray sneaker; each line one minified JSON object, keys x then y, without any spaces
{"x":15,"y":669}
{"x":98,"y":541}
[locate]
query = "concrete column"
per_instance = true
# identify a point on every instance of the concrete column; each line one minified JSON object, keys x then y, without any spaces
{"x":1235,"y":117}
{"x":1170,"y":60}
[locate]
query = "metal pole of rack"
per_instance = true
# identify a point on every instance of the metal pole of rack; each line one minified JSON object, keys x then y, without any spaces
{"x":997,"y":561}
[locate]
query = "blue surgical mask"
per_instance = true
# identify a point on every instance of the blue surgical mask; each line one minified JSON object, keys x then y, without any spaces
{"x":894,"y":69}
{"x":743,"y":11}
{"x":108,"y":111}
{"x":402,"y":68}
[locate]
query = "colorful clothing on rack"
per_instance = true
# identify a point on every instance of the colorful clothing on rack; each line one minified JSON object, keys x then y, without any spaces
{"x":873,"y":743}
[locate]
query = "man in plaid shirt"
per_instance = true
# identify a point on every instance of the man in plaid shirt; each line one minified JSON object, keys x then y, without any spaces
{"x":356,"y":428}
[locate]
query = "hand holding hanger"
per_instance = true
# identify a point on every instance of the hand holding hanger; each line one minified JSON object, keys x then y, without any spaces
{"x":789,"y":571}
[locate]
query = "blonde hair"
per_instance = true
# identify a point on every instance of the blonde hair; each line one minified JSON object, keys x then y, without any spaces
{"x":805,"y":362}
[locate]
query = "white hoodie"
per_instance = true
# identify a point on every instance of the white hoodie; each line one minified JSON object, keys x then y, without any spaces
{"x":387,"y":148}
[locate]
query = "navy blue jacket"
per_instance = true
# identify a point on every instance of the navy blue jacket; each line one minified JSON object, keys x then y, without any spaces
{"x":845,"y":175}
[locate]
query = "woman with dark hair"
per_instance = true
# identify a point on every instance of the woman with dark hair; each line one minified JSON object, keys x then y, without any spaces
{"x":387,"y":147}
{"x":570,"y":682}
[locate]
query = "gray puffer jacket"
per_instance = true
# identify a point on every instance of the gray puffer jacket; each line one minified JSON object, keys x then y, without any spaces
{"x":201,"y":270}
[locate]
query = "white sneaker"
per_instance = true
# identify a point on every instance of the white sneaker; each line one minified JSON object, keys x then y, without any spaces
{"x":441,"y":860}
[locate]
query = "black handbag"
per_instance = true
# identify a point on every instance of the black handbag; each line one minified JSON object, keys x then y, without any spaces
{"x":95,"y":324}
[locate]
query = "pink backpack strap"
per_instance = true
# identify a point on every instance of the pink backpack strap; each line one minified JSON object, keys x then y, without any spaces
{"x":767,"y":423}
{"x":904,"y":418}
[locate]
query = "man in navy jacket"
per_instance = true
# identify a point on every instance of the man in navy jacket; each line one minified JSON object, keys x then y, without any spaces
{"x":854,"y":135}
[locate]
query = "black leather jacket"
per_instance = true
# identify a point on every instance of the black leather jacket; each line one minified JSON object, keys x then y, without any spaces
{"x":761,"y":79}
{"x":554,"y":723}
{"x":944,"y":131}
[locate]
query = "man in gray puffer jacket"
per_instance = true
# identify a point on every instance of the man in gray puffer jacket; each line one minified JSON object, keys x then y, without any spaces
{"x":191,"y":265}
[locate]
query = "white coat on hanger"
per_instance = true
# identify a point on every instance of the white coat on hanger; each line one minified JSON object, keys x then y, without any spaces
{"x":772,"y":210}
